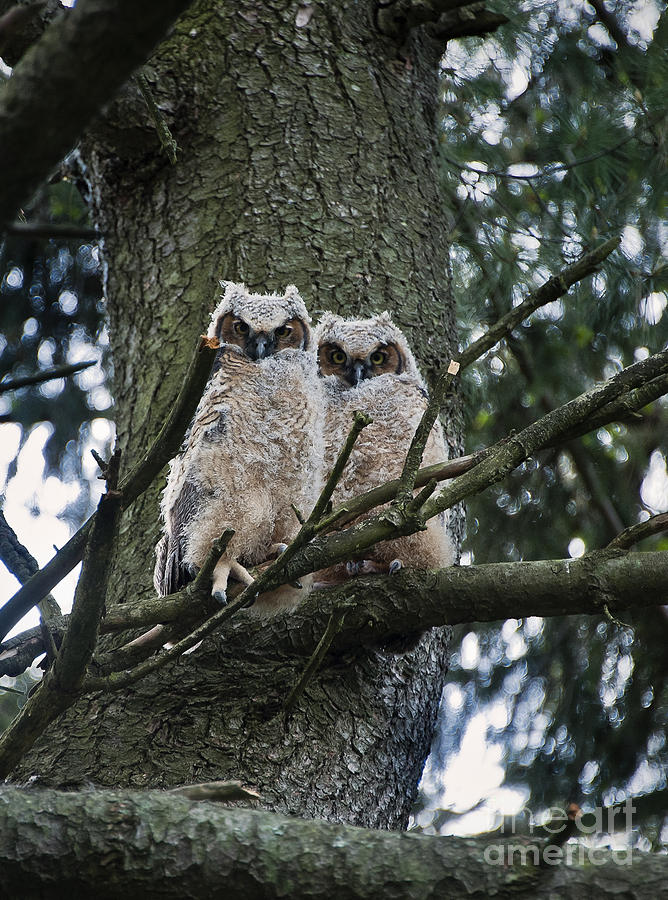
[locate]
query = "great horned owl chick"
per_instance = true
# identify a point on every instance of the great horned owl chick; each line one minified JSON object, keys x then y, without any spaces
{"x":253,"y":448}
{"x":367,"y":365}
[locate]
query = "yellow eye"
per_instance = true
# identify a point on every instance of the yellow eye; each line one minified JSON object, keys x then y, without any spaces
{"x":338,"y":357}
{"x":240,"y":327}
{"x":378,"y":357}
{"x":282,"y":330}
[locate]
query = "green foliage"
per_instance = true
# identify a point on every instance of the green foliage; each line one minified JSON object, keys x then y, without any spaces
{"x":553,"y":140}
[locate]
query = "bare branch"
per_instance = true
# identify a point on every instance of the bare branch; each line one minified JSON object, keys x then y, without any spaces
{"x":354,"y":507}
{"x":553,"y":288}
{"x":360,"y":422}
{"x":167,"y":142}
{"x":61,"y":685}
{"x":209,"y":850}
{"x":635,"y":533}
{"x":23,"y":565}
{"x":421,"y":436}
{"x":45,"y":375}
{"x":333,"y":627}
{"x":376,"y":607}
{"x":57,"y":230}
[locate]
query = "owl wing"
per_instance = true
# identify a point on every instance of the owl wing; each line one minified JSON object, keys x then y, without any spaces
{"x":171,"y":573}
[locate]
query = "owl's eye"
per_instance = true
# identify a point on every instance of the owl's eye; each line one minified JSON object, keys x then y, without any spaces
{"x":378,"y":357}
{"x":338,"y":357}
{"x":241,"y":327}
{"x":282,"y":330}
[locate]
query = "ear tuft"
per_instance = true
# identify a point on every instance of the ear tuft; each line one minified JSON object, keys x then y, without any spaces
{"x":234,"y":290}
{"x":292,"y":293}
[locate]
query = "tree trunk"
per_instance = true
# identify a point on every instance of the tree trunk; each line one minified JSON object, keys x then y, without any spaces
{"x":307,"y":155}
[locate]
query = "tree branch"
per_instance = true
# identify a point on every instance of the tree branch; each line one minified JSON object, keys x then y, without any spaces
{"x":45,"y":375}
{"x":635,"y":533}
{"x":553,"y":288}
{"x":64,"y":79}
{"x":419,"y":442}
{"x":23,"y":565}
{"x":57,"y":230}
{"x":61,"y":685}
{"x":379,"y":607}
{"x":204,"y":849}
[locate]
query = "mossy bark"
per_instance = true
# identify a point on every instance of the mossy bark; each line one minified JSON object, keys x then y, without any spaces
{"x":307,"y":155}
{"x":111,"y":844}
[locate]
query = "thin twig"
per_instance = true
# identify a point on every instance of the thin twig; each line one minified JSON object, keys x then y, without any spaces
{"x":165,"y":137}
{"x":640,"y":531}
{"x":333,"y":627}
{"x":553,"y":288}
{"x":421,"y":436}
{"x":13,"y":384}
{"x":360,"y":422}
{"x":356,"y":506}
{"x":56,"y":230}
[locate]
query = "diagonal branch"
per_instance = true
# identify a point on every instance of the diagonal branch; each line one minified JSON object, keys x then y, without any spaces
{"x":635,"y":533}
{"x":135,"y":483}
{"x":45,"y":375}
{"x":61,"y":685}
{"x":421,"y":436}
{"x":499,"y":461}
{"x":553,"y":288}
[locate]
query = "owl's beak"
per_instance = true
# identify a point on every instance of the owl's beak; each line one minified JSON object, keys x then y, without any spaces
{"x":358,"y":372}
{"x":258,"y":347}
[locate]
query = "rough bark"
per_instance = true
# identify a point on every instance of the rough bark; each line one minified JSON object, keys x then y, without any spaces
{"x":307,"y":155}
{"x":110,"y":844}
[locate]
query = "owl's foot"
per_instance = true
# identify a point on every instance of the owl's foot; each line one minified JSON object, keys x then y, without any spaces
{"x":371,"y":567}
{"x":276,"y":550}
{"x":394,"y":567}
{"x":227,"y":568}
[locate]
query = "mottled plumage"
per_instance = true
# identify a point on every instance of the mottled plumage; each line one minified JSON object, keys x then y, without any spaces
{"x":367,"y":365}
{"x":254,"y":446}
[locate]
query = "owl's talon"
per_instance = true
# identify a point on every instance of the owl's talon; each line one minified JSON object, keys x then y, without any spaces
{"x":296,"y":584}
{"x":277,"y":549}
{"x":220,"y":596}
{"x":352,"y":568}
{"x":395,"y":565}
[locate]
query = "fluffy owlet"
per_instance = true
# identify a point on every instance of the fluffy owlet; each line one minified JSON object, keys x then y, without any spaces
{"x":367,"y":365}
{"x":253,"y":448}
